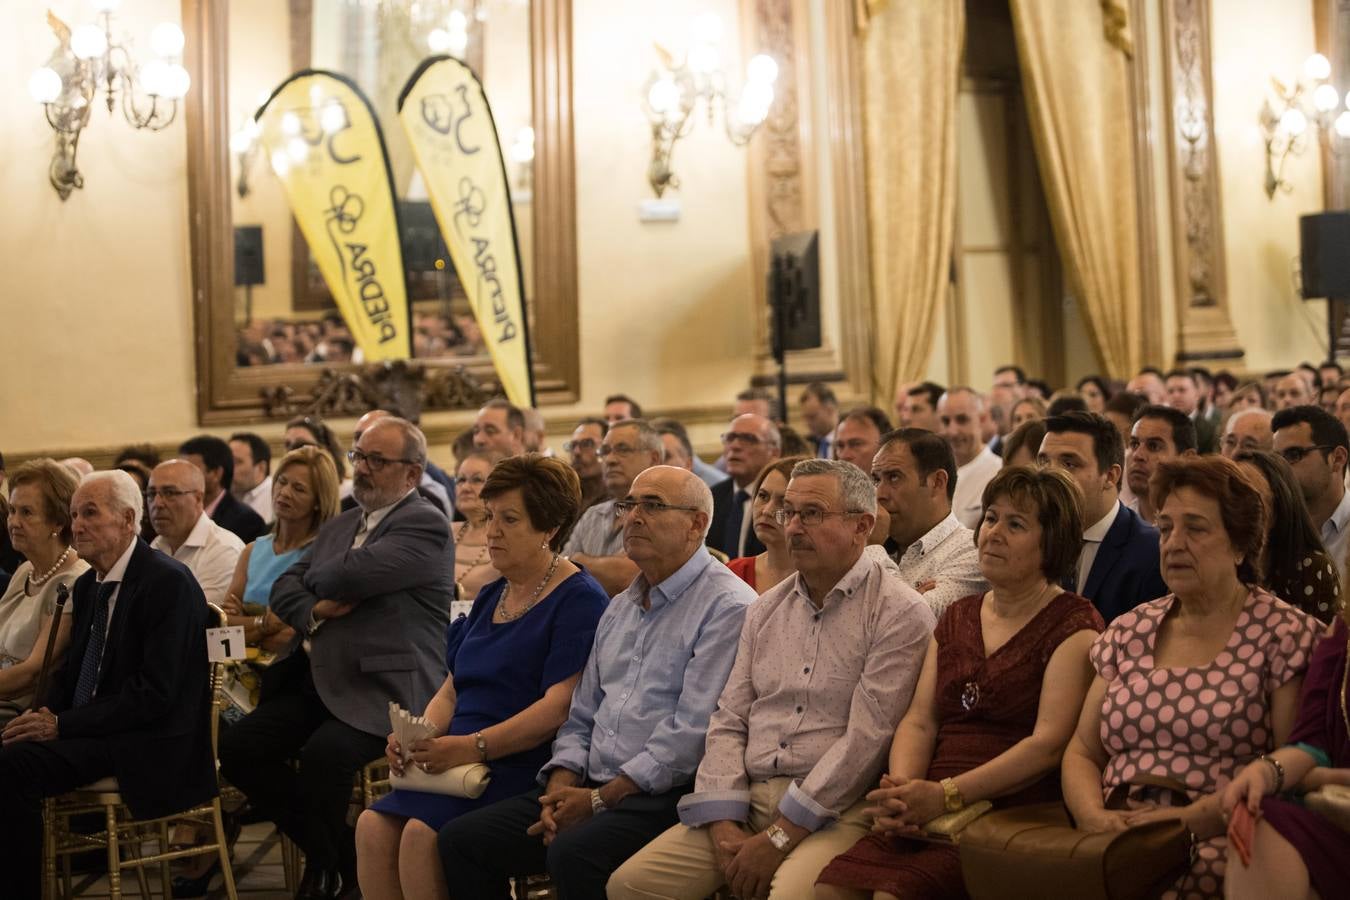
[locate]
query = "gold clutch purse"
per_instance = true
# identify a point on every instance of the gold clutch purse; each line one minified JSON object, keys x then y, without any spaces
{"x":947,"y":828}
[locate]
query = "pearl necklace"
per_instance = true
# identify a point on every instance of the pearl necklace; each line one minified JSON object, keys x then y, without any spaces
{"x":534,"y":598}
{"x":46,"y":576}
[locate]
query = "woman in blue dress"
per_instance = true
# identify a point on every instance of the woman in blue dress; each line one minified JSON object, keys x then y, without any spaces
{"x":513,"y":663}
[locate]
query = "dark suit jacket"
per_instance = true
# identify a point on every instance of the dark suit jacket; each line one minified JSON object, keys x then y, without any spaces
{"x":1206,"y":433}
{"x":153,"y":701}
{"x":1126,"y":571}
{"x":724,"y":495}
{"x":391,"y":646}
{"x":233,"y":515}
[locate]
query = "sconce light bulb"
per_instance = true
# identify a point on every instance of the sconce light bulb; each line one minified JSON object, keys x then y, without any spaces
{"x":458,"y":21}
{"x":297,"y":149}
{"x":88,"y":42}
{"x":438,"y":40}
{"x":707,"y":29}
{"x":1343,"y":125}
{"x":166,"y":39}
{"x":252,"y":129}
{"x":281,"y":163}
{"x":240,"y":142}
{"x":1317,"y":67}
{"x":290,"y":124}
{"x":704,"y":58}
{"x":176,"y":82}
{"x":154,"y":78}
{"x":333,"y":118}
{"x":44,"y":85}
{"x":755,"y":101}
{"x":1326,"y":97}
{"x":525,"y":135}
{"x":664,"y":95}
{"x":1293,"y":122}
{"x":762,"y":68}
{"x":459,"y":43}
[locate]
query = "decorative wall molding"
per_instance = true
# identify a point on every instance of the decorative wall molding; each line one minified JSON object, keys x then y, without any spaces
{"x":1146,"y":190}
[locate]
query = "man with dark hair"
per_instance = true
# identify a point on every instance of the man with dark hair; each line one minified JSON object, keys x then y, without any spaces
{"x":621,"y":406}
{"x":1331,"y":373}
{"x":921,"y":407}
{"x":583,"y":455}
{"x":820,"y":412}
{"x":858,"y":437}
{"x":1183,"y":395}
{"x":1118,"y":565}
{"x":1149,"y":382}
{"x":1315,"y":445}
{"x":1159,"y":434}
{"x":915,"y":476}
{"x":759,"y":402}
{"x":252,"y":483}
{"x":1010,"y":385}
{"x":216,"y":461}
{"x":500,"y":426}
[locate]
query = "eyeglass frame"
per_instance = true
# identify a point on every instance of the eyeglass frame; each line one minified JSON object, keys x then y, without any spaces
{"x":741,"y":437}
{"x":375,"y":462}
{"x":784,"y":516}
{"x":580,"y":443}
{"x":1303,"y":452}
{"x":617,"y":449}
{"x":649,"y":507}
{"x":167,"y":493}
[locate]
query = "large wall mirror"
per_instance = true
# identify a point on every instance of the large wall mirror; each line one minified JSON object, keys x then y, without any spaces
{"x":270,"y":341}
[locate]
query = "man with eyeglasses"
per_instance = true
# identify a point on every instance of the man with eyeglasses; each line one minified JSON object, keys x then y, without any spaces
{"x":441,"y":493}
{"x":826,"y":667}
{"x":1247,"y":429}
{"x":371,"y":600}
{"x":630,"y":447}
{"x":751,"y":443}
{"x":635,"y":734}
{"x":184,"y":530}
{"x":500,"y":426}
{"x":1315,"y":445}
{"x":1159,"y":434}
{"x":582,"y":453}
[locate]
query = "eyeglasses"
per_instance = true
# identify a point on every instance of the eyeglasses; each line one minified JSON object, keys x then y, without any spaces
{"x":582,"y":445}
{"x":166,"y":493}
{"x":649,"y":507}
{"x":471,"y":479}
{"x":1294,"y":455}
{"x":810,"y":517}
{"x":616,"y":450}
{"x":740,"y":437}
{"x":376,"y":463}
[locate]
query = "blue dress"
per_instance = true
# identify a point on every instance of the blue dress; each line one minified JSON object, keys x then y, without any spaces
{"x":265,"y":566}
{"x":499,"y":669}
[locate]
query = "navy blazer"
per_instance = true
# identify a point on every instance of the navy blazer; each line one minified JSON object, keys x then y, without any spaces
{"x":724,"y":494}
{"x":1126,"y":571}
{"x":153,"y":701}
{"x":238,"y":517}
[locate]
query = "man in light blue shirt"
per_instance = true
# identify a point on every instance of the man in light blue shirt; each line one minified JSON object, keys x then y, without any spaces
{"x":635,"y":735}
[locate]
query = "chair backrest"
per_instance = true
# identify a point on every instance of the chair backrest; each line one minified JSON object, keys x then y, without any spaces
{"x":217,"y":619}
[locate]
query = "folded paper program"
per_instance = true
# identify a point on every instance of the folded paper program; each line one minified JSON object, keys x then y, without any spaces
{"x":469,"y":780}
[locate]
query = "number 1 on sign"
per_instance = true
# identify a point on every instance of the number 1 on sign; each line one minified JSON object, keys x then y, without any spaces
{"x":225,"y":643}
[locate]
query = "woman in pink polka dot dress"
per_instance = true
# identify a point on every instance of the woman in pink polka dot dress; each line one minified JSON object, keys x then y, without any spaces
{"x":1193,"y":686}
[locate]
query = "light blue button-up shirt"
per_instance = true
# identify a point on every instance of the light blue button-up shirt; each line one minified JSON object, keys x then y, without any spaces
{"x":653,"y":678}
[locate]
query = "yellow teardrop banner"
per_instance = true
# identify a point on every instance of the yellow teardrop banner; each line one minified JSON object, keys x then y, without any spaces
{"x":454,"y":140}
{"x":325,"y":145}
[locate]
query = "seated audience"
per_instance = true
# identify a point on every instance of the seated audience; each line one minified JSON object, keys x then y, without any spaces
{"x":964,"y":417}
{"x":1117,"y":568}
{"x":513,"y":663}
{"x":915,"y":477}
{"x":1294,"y":565}
{"x":635,"y":734}
{"x":621,"y":406}
{"x":38,"y":523}
{"x":1247,"y":429}
{"x":630,"y":447}
{"x":1183,"y":395}
{"x":1293,"y":389}
{"x":1121,"y":410}
{"x":1159,"y":434}
{"x":1095,"y":392}
{"x":214,"y":459}
{"x":311,"y":431}
{"x":1021,"y":444}
{"x":1295,"y":851}
{"x":788,"y":755}
{"x":984,"y":726}
{"x":767,"y":569}
{"x":122,"y":706}
{"x":751,"y":443}
{"x":252,"y":484}
{"x":186,"y":532}
{"x":582,"y":454}
{"x":1220,"y":661}
{"x":921,"y":407}
{"x":1027,"y":409}
{"x":859,"y":436}
{"x":820,"y":411}
{"x":473,"y":563}
{"x":372,"y":599}
{"x":1316,"y":446}
{"x":500,"y":427}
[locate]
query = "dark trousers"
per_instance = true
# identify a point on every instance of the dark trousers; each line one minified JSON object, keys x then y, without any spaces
{"x":309,"y":806}
{"x":481,"y":850}
{"x":30,"y":771}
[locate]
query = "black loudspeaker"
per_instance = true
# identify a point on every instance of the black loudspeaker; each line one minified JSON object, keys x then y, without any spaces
{"x":1324,"y":244}
{"x":248,"y":255}
{"x":422,"y":243}
{"x":794,"y":292}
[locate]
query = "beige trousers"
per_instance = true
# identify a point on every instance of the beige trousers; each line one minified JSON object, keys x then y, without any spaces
{"x":681,"y":862}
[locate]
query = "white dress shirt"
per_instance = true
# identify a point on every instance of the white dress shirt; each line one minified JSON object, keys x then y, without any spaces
{"x":946,"y":555}
{"x":970,"y":482}
{"x":1092,"y":542}
{"x":260,"y":499}
{"x":211,"y":552}
{"x":115,"y":575}
{"x":1336,"y":534}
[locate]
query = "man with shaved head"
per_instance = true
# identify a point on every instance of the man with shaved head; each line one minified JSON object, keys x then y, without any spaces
{"x":1247,"y":429}
{"x":964,"y":416}
{"x":186,"y":532}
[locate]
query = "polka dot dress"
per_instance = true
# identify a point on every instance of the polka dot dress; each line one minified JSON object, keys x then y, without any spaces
{"x":1314,"y":587}
{"x":1199,"y":725}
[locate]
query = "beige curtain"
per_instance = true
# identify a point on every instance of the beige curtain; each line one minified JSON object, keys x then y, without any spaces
{"x":911,"y":71}
{"x":1076,"y":79}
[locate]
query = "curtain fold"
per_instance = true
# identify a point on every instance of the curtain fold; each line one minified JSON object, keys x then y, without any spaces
{"x":911,"y":72}
{"x":1076,"y":82}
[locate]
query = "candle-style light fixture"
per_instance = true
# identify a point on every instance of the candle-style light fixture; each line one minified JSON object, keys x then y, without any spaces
{"x":88,"y":59}
{"x":1311,"y":104}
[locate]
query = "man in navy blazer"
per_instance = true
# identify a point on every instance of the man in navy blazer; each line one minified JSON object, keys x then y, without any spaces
{"x":1118,"y":567}
{"x":134,"y":698}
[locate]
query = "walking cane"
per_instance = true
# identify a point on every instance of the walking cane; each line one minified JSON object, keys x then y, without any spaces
{"x":44,"y":675}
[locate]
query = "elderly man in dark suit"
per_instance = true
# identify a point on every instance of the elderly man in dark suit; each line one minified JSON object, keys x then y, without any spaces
{"x":370,"y":606}
{"x":751,"y":443}
{"x":1118,"y":565}
{"x":133,"y":700}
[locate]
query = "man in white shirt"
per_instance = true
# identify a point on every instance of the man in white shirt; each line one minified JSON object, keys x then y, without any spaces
{"x":965,"y":416}
{"x":186,"y":532}
{"x":252,"y":482}
{"x":1315,"y":444}
{"x":915,"y":475}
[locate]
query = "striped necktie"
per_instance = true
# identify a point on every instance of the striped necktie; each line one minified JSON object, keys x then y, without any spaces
{"x":93,"y":653}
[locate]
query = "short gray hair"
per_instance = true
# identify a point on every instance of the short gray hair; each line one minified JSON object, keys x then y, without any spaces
{"x":123,"y":491}
{"x":649,"y":438}
{"x":855,"y":488}
{"x":1247,"y":413}
{"x":697,"y":493}
{"x":414,"y":441}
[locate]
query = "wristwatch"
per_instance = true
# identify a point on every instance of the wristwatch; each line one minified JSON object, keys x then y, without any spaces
{"x":481,"y":743}
{"x":952,"y":800}
{"x":597,"y":804}
{"x":778,"y":837}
